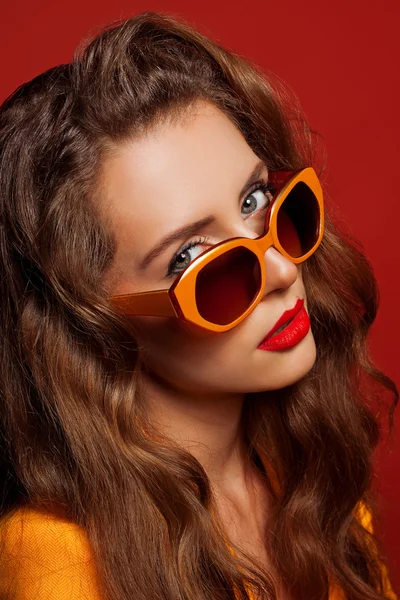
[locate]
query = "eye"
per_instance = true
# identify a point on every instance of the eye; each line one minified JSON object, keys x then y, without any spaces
{"x":180,"y":260}
{"x":257,"y":201}
{"x":259,"y":198}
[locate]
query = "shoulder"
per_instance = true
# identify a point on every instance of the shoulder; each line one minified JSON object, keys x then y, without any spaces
{"x":364,"y":515}
{"x":31,"y":531}
{"x":44,"y":554}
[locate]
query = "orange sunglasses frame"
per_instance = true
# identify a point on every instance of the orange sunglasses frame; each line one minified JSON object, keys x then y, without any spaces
{"x":179,"y":299}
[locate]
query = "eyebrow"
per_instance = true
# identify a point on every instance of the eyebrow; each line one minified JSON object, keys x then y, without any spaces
{"x":191,"y":228}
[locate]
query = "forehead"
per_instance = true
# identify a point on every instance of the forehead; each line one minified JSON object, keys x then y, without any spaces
{"x":175,"y":174}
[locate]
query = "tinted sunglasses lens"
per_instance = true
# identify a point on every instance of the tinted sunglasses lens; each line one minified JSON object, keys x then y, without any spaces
{"x":298,"y":221}
{"x":226,"y":287}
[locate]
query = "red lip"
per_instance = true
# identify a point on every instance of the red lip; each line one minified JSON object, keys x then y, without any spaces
{"x":288,"y":314}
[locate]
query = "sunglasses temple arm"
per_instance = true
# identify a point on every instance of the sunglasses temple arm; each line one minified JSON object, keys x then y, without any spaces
{"x":157,"y":303}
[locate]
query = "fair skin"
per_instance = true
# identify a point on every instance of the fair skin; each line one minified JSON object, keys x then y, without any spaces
{"x":195,"y":380}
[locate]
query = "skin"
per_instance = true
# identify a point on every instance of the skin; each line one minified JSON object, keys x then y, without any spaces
{"x":196,"y":381}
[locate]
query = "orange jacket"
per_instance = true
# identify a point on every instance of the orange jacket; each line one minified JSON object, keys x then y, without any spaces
{"x":44,"y":557}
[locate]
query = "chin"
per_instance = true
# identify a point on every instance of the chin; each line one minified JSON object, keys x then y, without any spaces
{"x":282,"y":368}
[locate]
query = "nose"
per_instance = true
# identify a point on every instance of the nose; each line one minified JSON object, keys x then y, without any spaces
{"x":281,"y":272}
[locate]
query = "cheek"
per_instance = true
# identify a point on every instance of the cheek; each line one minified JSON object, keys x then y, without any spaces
{"x":168,"y":343}
{"x":169,"y":334}
{"x":180,"y":353}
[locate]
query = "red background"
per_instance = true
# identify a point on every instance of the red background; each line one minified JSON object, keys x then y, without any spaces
{"x":342,"y":60}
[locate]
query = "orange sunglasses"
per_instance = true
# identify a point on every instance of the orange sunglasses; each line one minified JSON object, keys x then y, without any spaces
{"x":224,"y":284}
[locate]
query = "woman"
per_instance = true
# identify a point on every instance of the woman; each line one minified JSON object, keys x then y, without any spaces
{"x":161,"y":222}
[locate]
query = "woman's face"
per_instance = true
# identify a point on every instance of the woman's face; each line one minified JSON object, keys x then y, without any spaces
{"x":176,"y":174}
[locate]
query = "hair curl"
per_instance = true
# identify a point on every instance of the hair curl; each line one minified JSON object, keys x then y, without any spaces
{"x":73,"y":424}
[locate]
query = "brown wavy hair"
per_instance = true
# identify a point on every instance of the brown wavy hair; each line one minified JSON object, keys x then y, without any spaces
{"x":73,"y":424}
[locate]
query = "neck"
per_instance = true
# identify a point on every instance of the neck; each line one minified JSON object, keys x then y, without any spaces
{"x":208,"y":426}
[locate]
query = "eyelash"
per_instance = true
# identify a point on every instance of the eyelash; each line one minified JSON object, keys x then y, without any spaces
{"x":259,"y":185}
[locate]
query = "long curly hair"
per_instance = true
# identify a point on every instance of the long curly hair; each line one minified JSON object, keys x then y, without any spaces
{"x":73,"y":424}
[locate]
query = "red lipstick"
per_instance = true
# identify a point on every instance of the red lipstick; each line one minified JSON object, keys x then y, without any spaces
{"x":290,"y":335}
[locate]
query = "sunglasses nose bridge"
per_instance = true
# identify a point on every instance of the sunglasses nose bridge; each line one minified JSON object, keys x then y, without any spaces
{"x":264,"y":242}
